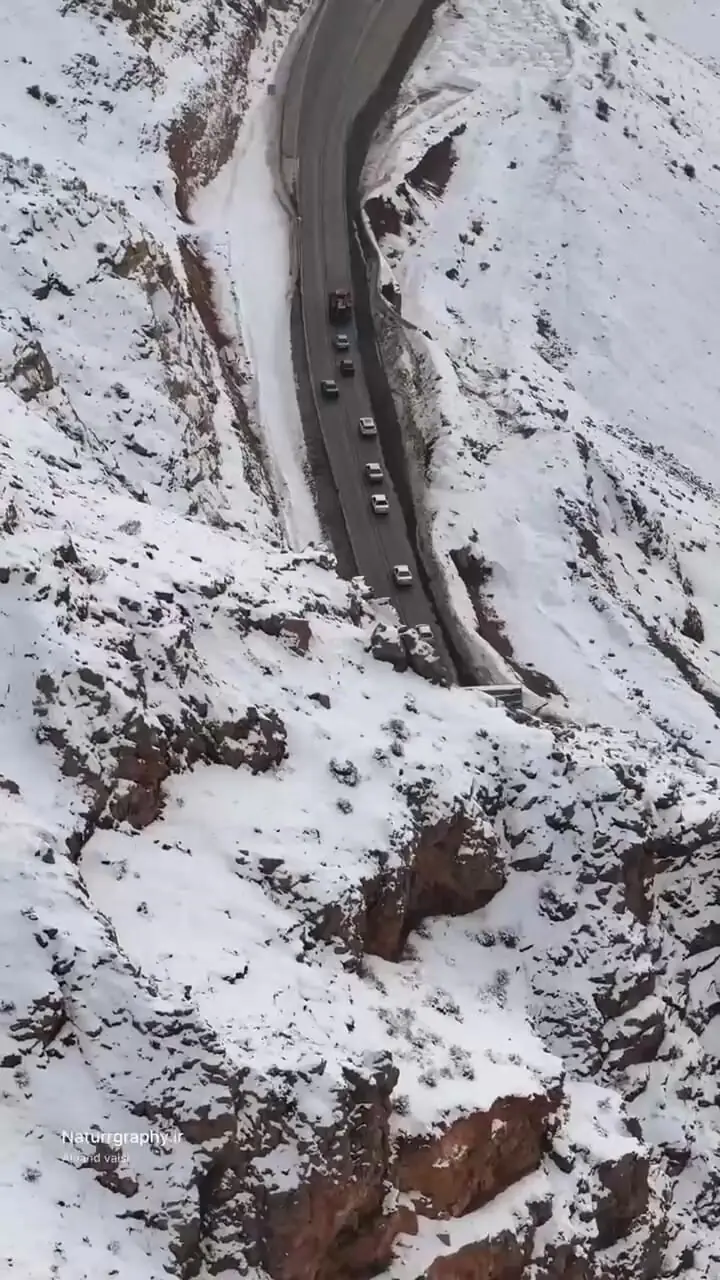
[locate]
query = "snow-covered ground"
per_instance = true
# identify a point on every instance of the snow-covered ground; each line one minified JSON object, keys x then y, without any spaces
{"x":245,"y":236}
{"x":243,"y":862}
{"x":564,"y":287}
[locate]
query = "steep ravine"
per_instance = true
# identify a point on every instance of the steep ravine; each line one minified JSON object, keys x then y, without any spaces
{"x":397,"y":985}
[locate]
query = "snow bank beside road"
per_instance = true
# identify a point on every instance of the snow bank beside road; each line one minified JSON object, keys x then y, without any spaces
{"x":246,"y":236}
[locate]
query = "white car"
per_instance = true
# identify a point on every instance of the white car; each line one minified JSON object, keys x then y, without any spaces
{"x":402,"y":575}
{"x":379,"y":504}
{"x":367,"y":427}
{"x":424,"y":631}
{"x":373,"y":473}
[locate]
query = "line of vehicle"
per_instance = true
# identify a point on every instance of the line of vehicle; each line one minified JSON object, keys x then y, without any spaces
{"x":333,"y":216}
{"x":340,"y":66}
{"x":310,"y":185}
{"x":351,"y":418}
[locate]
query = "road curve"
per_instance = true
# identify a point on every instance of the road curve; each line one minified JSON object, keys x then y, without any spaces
{"x":343,"y":56}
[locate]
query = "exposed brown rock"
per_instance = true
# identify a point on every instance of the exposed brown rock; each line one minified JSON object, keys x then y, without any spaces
{"x":477,"y":1157}
{"x":638,"y":870}
{"x":363,"y":1254}
{"x":432,"y":172}
{"x":452,"y":867}
{"x":502,"y":1258}
{"x":384,"y":216}
{"x":626,"y":1196}
{"x":332,"y":1225}
{"x":202,"y":138}
{"x":297,"y":632}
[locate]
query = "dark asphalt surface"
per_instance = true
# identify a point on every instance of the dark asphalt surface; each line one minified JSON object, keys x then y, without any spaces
{"x":342,"y":58}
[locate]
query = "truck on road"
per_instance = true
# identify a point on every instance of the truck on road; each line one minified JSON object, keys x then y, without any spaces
{"x":339,"y":306}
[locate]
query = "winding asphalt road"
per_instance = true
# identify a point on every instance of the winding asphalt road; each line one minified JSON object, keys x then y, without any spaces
{"x":343,"y":55}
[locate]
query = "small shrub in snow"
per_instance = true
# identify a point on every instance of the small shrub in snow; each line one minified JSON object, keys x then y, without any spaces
{"x":344,"y":771}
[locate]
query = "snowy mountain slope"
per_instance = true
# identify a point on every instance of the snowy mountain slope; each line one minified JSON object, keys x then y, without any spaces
{"x":380,"y":971}
{"x":563,"y":284}
{"x":100,"y":277}
{"x":199,"y":933}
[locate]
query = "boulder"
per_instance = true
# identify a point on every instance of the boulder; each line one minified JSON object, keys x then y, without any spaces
{"x":297,"y":633}
{"x":422,"y":656}
{"x":32,"y":374}
{"x":478,"y":1156}
{"x":386,"y":645}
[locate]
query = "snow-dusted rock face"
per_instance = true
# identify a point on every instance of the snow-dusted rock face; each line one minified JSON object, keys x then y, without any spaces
{"x":309,"y":968}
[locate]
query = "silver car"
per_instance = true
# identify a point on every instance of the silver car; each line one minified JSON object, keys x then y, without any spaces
{"x":402,"y":575}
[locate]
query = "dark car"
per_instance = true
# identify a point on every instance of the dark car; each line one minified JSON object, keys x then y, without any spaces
{"x":347,"y":368}
{"x":341,"y":342}
{"x":329,"y":389}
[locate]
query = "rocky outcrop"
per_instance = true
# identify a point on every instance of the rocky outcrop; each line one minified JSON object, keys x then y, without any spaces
{"x":502,"y":1258}
{"x":331,"y":1223}
{"x":153,"y":752}
{"x":452,"y":867}
{"x":402,"y":647}
{"x":423,"y":657}
{"x":386,"y":646}
{"x":334,"y":1222}
{"x":637,"y":1037}
{"x":147,"y":753}
{"x":562,"y":1262}
{"x":638,"y":870}
{"x":296,"y":632}
{"x":478,"y":1156}
{"x":625,"y":1196}
{"x":42,"y":1022}
{"x":616,"y":997}
{"x":31,"y":375}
